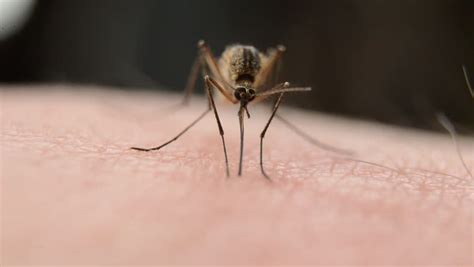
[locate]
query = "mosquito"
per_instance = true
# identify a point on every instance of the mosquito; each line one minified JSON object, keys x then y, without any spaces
{"x":240,"y":75}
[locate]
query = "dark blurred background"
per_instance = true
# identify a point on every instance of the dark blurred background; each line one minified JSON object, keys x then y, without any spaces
{"x":393,"y":61}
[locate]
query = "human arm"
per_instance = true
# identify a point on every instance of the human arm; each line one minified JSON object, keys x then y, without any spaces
{"x":74,"y":193}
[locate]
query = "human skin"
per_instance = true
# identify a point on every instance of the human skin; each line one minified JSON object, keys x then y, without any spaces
{"x":74,"y":193}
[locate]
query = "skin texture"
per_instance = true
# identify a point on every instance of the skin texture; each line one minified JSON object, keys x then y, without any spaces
{"x":73,"y":193}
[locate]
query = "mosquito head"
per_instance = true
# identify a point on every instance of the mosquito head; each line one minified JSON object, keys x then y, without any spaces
{"x":244,"y":95}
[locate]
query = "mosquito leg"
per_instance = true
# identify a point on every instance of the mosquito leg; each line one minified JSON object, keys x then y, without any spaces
{"x":279,"y":88}
{"x":446,"y":123}
{"x":269,"y":67}
{"x":262,"y":135}
{"x":223,"y":90}
{"x":208,"y":83}
{"x":221,"y":131}
{"x":210,"y":61}
{"x":192,"y":78}
{"x":204,"y":60}
{"x":177,"y":136}
{"x":464,"y":70}
{"x":278,"y":65}
{"x":311,"y":139}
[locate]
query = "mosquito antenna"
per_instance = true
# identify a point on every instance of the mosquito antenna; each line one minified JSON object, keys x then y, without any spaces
{"x":446,"y":123}
{"x":466,"y":77}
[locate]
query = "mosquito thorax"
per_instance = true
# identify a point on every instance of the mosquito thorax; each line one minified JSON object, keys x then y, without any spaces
{"x":240,"y":64}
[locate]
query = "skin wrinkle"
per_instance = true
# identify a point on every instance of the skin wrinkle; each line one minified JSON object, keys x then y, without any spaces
{"x":111,"y":203}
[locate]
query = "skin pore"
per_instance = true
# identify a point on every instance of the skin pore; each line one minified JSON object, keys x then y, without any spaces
{"x":74,"y":193}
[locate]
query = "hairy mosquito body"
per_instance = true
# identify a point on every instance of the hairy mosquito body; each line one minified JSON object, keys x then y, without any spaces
{"x":240,"y":64}
{"x":239,"y":75}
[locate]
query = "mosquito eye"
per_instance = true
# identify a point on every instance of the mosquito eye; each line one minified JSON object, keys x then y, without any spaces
{"x":251,"y":91}
{"x":237,"y":94}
